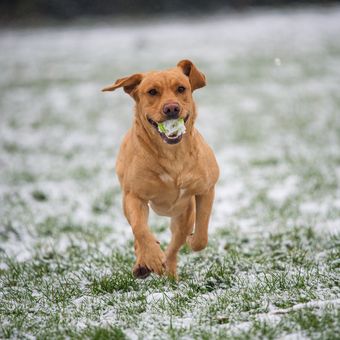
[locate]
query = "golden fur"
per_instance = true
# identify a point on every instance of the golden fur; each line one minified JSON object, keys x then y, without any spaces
{"x":175,"y":180}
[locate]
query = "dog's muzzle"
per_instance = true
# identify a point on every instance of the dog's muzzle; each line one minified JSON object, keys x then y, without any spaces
{"x":168,"y":139}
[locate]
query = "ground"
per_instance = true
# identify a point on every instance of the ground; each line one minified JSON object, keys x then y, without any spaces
{"x":270,"y":112}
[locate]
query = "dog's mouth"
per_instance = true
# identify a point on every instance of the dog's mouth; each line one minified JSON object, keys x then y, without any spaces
{"x":172,"y":135}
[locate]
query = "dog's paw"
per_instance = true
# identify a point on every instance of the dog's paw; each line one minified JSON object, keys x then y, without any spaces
{"x":150,"y":259}
{"x":171,"y":265}
{"x":196,"y":243}
{"x":140,"y":272}
{"x":171,"y":270}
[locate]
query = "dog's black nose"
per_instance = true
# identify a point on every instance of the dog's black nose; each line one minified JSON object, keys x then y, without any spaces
{"x":171,"y":110}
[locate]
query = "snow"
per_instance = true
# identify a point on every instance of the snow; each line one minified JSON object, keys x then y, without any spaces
{"x":131,"y":334}
{"x":330,"y":226}
{"x":159,"y":297}
{"x":3,"y":266}
{"x":275,"y":315}
{"x":293,"y":336}
{"x":108,"y":317}
{"x":311,"y":304}
{"x":280,"y":192}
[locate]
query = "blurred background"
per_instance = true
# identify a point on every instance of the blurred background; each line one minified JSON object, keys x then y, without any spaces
{"x":42,"y":10}
{"x":270,"y":111}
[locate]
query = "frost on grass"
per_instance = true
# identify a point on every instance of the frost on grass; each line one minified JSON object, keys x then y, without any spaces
{"x":272,"y":266}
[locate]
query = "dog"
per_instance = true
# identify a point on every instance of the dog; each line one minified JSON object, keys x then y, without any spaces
{"x":176,"y":177}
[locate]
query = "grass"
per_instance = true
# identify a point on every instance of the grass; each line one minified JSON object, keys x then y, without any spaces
{"x":272,"y":266}
{"x":226,"y":289}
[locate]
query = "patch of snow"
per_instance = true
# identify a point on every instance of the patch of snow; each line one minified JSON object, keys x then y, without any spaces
{"x":282,"y":191}
{"x":311,"y":304}
{"x":275,"y":315}
{"x":131,"y":334}
{"x":331,"y":226}
{"x":336,"y":204}
{"x":3,"y":266}
{"x":312,"y":207}
{"x":81,"y":300}
{"x":246,"y":223}
{"x":109,"y":317}
{"x":293,"y":336}
{"x":159,"y":297}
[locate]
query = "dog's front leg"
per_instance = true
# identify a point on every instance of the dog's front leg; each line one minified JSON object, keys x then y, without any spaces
{"x":199,"y":239}
{"x":150,"y":257}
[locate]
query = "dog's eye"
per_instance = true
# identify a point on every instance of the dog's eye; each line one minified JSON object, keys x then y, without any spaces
{"x":180,"y":89}
{"x":152,"y":92}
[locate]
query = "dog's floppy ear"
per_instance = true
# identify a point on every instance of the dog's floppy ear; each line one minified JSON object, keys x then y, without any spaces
{"x":196,"y":78}
{"x":128,"y":83}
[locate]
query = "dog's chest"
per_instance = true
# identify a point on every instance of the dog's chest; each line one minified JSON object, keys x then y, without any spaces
{"x":172,"y":186}
{"x":177,"y":186}
{"x":169,"y":194}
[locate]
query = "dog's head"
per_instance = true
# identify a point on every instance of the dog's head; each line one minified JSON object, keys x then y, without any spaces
{"x":164,"y":95}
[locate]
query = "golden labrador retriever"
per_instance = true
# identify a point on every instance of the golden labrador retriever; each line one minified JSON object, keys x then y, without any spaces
{"x":176,"y":176}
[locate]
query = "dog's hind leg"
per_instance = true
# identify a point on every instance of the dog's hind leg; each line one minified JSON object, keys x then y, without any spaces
{"x":181,"y":226}
{"x":199,"y":239}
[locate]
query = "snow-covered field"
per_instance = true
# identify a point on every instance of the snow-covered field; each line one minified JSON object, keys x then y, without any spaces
{"x":271,"y":111}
